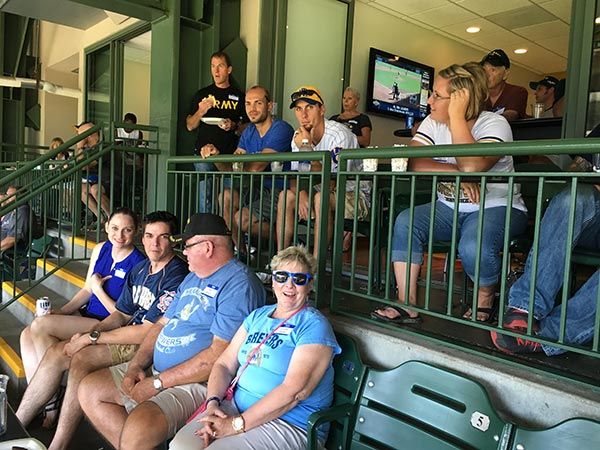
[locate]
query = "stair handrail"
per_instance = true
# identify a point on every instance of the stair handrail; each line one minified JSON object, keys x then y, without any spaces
{"x":48,"y":156}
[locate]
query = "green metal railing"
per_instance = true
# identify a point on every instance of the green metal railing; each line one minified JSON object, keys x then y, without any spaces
{"x":254,"y":189}
{"x":51,"y":194}
{"x":357,"y":290}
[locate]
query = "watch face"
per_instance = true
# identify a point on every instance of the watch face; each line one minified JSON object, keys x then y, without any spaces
{"x":157,"y":384}
{"x":94,"y":335}
{"x":238,"y":423}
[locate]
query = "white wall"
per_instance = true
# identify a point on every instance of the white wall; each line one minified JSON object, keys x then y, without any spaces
{"x":249,"y":28}
{"x":136,"y":90}
{"x":61,"y":51}
{"x":373,"y":28}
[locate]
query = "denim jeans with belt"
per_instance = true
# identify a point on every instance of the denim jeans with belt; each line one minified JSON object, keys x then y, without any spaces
{"x":491,"y":244}
{"x":581,"y":308}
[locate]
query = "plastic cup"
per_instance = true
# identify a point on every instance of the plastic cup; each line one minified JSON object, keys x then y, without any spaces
{"x":538,"y":110}
{"x":399,"y":164}
{"x":276,"y":166}
{"x":237,"y":166}
{"x":370,"y":164}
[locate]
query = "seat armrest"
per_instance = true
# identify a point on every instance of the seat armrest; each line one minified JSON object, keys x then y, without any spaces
{"x":335,"y":413}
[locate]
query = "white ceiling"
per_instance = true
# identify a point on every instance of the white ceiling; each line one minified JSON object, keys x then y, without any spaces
{"x":540,"y":26}
{"x":138,"y":48}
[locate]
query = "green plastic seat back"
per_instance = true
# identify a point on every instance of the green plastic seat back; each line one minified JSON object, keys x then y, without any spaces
{"x":573,"y":434}
{"x":39,"y":247}
{"x":349,"y":374}
{"x":419,"y":406}
{"x":349,"y":370}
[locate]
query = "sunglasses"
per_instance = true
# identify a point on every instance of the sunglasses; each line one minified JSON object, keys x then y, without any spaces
{"x":299,"y":278}
{"x":303,"y":93}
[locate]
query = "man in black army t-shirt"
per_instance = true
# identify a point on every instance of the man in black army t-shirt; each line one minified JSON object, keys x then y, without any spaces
{"x":222,"y":101}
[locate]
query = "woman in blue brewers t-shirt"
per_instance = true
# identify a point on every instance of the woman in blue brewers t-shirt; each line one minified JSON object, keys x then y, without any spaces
{"x":109,"y":263}
{"x":290,"y":348}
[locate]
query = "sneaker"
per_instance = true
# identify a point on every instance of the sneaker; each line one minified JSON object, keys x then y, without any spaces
{"x":513,"y":345}
{"x":516,"y":320}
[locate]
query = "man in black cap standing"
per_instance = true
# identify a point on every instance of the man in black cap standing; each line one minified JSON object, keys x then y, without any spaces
{"x":506,"y":99}
{"x":545,"y":93}
{"x":159,"y":387}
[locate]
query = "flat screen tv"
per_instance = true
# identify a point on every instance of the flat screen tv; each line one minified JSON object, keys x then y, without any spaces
{"x":398,"y":87}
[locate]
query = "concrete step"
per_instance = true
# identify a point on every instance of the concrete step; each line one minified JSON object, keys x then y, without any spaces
{"x":23,"y":309}
{"x":73,"y":247}
{"x":67,"y":280}
{"x":59,"y":288}
{"x":10,"y":361}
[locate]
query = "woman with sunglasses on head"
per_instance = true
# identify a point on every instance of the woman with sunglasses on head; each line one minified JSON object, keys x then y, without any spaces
{"x":279,"y":367}
{"x":109,"y":264}
{"x":458,"y":117}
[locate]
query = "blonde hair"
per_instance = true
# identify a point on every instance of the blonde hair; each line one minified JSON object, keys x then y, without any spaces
{"x":56,"y":142}
{"x":353,"y":92}
{"x":469,"y":76}
{"x":298,"y":254}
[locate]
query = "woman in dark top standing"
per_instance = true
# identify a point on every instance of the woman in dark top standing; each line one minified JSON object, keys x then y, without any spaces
{"x":359,"y":124}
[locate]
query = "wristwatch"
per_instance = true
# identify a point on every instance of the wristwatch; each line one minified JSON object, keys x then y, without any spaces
{"x":94,"y":335}
{"x":157,"y":383}
{"x":238,"y":424}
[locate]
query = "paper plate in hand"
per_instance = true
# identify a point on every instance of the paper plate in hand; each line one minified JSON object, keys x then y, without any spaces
{"x":212,"y":120}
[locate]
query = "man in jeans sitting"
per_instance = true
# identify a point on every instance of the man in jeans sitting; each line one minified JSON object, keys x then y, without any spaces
{"x":581,"y":308}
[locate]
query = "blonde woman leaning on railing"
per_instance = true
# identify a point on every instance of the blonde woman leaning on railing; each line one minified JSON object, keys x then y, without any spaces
{"x":457,"y":117}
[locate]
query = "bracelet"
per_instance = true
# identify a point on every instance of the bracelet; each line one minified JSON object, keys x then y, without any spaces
{"x":215,"y":398}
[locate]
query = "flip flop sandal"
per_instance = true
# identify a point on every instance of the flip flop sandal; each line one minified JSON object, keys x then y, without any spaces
{"x":402,"y":319}
{"x":490,"y":313}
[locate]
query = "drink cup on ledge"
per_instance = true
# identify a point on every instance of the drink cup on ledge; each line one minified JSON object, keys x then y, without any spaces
{"x":370,"y":164}
{"x":596,"y":162}
{"x":399,"y":164}
{"x":276,"y":166}
{"x":538,"y":110}
{"x":237,"y":166}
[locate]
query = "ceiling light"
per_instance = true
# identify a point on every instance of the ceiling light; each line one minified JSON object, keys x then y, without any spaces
{"x":520,"y":51}
{"x":473,"y":30}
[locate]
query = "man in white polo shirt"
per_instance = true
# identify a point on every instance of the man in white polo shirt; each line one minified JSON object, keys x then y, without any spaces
{"x":316,"y":133}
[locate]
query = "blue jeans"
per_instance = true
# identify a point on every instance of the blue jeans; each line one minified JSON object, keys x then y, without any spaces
{"x":491,"y":244}
{"x":205,"y":187}
{"x":581,"y":308}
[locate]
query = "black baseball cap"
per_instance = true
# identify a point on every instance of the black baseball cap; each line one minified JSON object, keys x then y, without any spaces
{"x":549,"y":82}
{"x":496,"y":58}
{"x":205,"y":224}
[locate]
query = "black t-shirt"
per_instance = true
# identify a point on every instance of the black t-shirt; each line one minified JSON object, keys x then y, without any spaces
{"x":356,"y":123}
{"x":229,"y":105}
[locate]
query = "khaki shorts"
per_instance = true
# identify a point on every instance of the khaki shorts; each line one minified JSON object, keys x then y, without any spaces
{"x":177,"y":403}
{"x":363,"y":206}
{"x":120,"y":353}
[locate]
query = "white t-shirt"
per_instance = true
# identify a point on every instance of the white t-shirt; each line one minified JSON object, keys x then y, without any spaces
{"x":488,"y":127}
{"x":335,"y":136}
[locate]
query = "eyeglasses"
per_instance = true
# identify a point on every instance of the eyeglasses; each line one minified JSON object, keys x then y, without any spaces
{"x":437,"y":97}
{"x":188,"y":246}
{"x":303,"y":93}
{"x":299,"y":278}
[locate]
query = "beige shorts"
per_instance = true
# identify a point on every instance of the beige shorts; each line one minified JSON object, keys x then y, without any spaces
{"x":177,"y":403}
{"x":120,"y":353}
{"x":363,"y":206}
